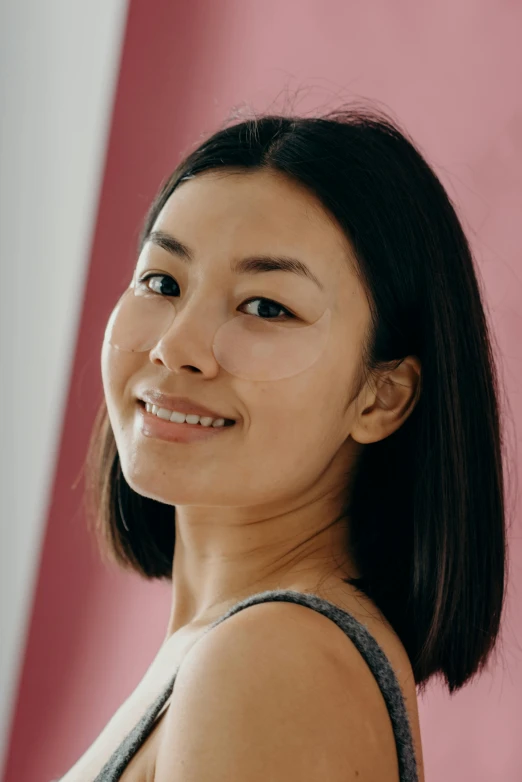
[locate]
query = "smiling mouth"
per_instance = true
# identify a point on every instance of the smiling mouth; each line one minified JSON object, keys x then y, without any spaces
{"x":199,"y":425}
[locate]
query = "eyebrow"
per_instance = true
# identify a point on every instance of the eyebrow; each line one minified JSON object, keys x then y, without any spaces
{"x":252,"y":264}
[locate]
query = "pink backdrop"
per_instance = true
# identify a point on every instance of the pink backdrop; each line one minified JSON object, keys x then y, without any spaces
{"x":451,"y":72}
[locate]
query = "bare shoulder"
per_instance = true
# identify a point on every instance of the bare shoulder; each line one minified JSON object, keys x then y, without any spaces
{"x":260,"y":697}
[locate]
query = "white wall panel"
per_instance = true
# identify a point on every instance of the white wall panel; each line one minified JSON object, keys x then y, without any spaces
{"x":59,"y":62}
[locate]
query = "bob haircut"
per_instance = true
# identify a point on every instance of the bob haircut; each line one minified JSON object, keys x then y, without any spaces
{"x":427,"y":506}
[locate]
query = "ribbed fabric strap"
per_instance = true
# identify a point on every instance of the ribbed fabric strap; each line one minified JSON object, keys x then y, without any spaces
{"x":358,"y":634}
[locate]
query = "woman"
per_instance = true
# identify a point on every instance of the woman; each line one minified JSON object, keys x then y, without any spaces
{"x":305,"y":287}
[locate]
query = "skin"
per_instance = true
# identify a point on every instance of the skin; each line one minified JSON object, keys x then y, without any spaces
{"x":254,"y":509}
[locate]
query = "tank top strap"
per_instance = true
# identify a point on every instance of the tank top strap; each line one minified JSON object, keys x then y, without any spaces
{"x":120,"y":758}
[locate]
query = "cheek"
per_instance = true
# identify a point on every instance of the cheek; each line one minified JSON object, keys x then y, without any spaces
{"x":303,"y":419}
{"x":290,"y":441}
{"x":117,"y":367}
{"x":296,"y":413}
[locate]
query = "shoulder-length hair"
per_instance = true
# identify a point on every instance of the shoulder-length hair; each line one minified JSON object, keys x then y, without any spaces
{"x":427,"y":508}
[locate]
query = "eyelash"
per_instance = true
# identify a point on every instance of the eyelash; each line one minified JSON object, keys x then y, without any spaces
{"x":287,"y":314}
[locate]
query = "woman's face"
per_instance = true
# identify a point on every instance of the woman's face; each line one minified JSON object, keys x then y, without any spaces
{"x":289,"y":431}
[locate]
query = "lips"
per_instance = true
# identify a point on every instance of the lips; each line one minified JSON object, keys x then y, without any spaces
{"x":180,"y":403}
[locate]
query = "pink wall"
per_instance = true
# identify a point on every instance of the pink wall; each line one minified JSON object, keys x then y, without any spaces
{"x":451,"y":73}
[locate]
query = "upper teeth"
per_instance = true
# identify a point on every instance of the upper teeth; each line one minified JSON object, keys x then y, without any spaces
{"x":181,"y":418}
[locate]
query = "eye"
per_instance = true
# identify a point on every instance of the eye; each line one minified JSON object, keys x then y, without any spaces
{"x":166,"y":289}
{"x":266,"y":305}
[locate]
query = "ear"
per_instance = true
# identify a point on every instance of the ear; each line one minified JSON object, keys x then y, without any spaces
{"x":384,"y":407}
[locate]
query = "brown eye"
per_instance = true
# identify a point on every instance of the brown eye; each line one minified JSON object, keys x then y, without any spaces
{"x":165,"y":285}
{"x":266,"y":306}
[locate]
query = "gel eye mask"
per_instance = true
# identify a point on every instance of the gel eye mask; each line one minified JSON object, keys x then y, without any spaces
{"x":247,"y":346}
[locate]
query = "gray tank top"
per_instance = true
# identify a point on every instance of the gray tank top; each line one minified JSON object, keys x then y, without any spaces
{"x":358,"y":634}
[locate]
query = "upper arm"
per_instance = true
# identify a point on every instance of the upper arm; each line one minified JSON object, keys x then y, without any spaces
{"x":258,"y":698}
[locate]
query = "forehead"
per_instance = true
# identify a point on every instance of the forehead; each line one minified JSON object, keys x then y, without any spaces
{"x":236,"y":213}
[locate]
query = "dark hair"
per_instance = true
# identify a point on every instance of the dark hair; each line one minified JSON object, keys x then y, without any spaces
{"x":427,"y":509}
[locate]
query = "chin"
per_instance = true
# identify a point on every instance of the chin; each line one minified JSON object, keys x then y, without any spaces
{"x":160,"y":485}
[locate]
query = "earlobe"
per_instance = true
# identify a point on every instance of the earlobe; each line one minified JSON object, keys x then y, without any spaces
{"x":389,"y":404}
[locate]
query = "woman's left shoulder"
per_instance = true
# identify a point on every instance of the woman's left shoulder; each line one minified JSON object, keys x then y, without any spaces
{"x":262,"y":695}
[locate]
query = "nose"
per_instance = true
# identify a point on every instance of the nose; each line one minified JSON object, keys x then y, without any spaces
{"x":187,"y":343}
